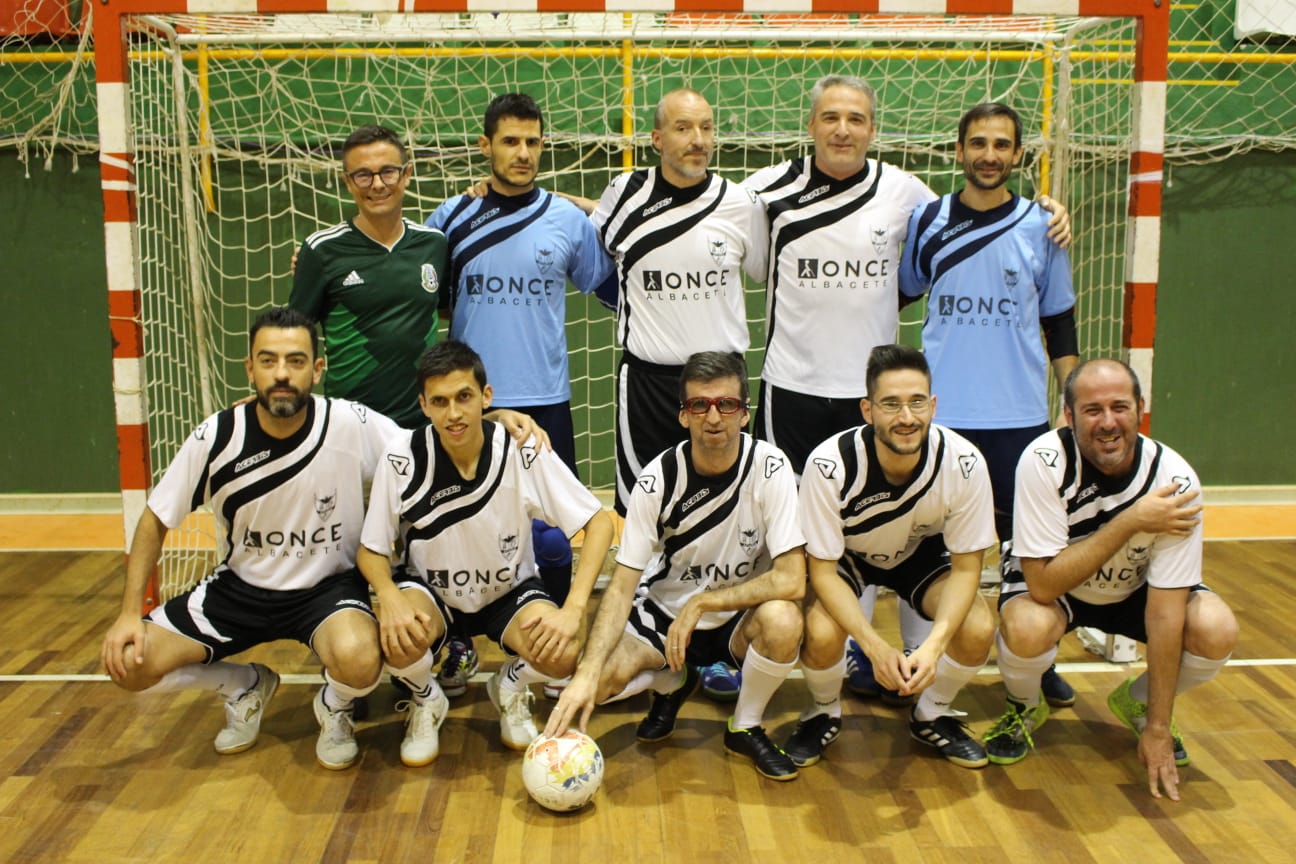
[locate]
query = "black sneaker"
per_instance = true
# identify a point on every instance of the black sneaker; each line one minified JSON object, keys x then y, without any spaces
{"x":755,"y":745}
{"x":950,"y":736}
{"x":810,"y":738}
{"x":1057,"y":692}
{"x":660,"y":722}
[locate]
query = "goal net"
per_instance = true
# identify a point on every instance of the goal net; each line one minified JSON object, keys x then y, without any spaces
{"x":237,"y":120}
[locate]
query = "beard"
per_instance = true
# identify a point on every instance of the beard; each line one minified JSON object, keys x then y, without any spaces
{"x":281,"y":405}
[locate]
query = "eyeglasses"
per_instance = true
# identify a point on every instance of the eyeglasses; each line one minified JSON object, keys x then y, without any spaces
{"x":723,"y":404}
{"x":920,"y":405}
{"x":390,"y":175}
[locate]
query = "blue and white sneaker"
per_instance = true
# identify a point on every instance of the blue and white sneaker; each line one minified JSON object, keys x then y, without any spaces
{"x":721,"y":682}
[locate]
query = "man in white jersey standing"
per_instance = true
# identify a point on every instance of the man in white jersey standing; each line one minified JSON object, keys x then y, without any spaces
{"x":285,"y":478}
{"x":682,"y":238}
{"x":996,"y":282}
{"x":710,"y":567}
{"x":905,"y":503}
{"x":837,"y":220}
{"x":461,"y":499}
{"x":1107,"y":533}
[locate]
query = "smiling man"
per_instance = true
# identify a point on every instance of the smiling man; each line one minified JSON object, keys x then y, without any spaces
{"x":1107,"y":534}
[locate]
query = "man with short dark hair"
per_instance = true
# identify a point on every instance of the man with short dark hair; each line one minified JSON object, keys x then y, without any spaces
{"x":285,"y":477}
{"x":710,"y":568}
{"x":1107,"y":533}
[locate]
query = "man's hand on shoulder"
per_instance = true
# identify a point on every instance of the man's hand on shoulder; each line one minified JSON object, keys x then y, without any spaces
{"x":1167,"y":511}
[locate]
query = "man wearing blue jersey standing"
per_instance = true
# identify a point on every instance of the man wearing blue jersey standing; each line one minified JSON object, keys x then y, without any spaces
{"x":996,"y":279}
{"x":512,"y":252}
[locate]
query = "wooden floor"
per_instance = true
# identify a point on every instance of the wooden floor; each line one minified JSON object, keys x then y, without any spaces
{"x":90,"y":774}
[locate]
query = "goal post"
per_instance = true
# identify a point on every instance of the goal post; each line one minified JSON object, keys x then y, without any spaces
{"x":219,"y":125}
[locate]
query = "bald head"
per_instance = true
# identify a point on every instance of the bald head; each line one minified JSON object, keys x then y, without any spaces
{"x":684,"y":135}
{"x":1101,"y":368}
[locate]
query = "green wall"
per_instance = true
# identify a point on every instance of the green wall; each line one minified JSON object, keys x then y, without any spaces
{"x":1222,"y":391}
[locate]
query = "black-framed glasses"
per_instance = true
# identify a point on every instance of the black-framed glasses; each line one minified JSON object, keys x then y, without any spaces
{"x":916,"y":406}
{"x":389,"y":174}
{"x":723,"y":404}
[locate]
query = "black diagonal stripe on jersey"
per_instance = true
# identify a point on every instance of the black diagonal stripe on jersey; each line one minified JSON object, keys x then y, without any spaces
{"x":460,"y":257}
{"x":673,"y":231}
{"x":849,"y":456}
{"x":220,"y":440}
{"x":419,"y":459}
{"x":670,"y":474}
{"x":922,"y":264}
{"x":794,"y":170}
{"x":909,"y":494}
{"x":969,"y":248}
{"x":1072,"y":457}
{"x":1115,"y":494}
{"x":783,"y":235}
{"x":279,"y":449}
{"x":453,"y":509}
{"x":728,"y":497}
{"x":632,"y":185}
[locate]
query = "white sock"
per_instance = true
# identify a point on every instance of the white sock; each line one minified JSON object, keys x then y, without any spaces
{"x":825,"y":689}
{"x":1021,"y":675}
{"x":867,"y":601}
{"x":761,"y":676}
{"x":417,"y":677}
{"x":517,"y":674}
{"x":341,"y":697}
{"x":1193,"y":670}
{"x":230,"y":680}
{"x":914,"y":628}
{"x":951,"y":677}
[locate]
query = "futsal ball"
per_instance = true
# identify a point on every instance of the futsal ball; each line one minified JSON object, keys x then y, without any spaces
{"x":563,"y":773}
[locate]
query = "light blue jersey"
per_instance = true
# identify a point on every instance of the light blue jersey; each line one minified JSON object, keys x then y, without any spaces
{"x":992,"y":275}
{"x":510,"y":261}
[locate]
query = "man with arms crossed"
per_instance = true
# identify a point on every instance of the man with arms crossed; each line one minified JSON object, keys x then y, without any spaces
{"x":461,"y":499}
{"x":710,"y":567}
{"x":905,"y":503}
{"x":1107,"y":534}
{"x":285,"y":478}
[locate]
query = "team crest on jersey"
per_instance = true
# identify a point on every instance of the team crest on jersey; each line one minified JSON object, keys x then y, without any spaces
{"x":429,"y":278}
{"x":200,"y":433}
{"x":772,"y":465}
{"x":1184,"y":484}
{"x":717,"y":247}
{"x":827,"y":468}
{"x":647,"y":483}
{"x":528,"y":454}
{"x":361,"y":411}
{"x":1048,"y":457}
{"x":508,"y":546}
{"x":1011,"y":276}
{"x":966,"y":464}
{"x":324,"y":504}
{"x":878,"y":236}
{"x":1137,"y":555}
{"x":749,"y":540}
{"x":399,"y":463}
{"x":544,"y":259}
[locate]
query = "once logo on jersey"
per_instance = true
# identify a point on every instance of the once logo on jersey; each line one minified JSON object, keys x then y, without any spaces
{"x":772,"y":465}
{"x":324,"y":504}
{"x":651,"y":209}
{"x":474,"y":284}
{"x":429,"y":278}
{"x":716,"y":572}
{"x":508,"y":546}
{"x":501,"y":286}
{"x":956,"y":304}
{"x":749,"y":539}
{"x":966,"y":464}
{"x":647,"y":482}
{"x":827,"y":268}
{"x":399,"y":463}
{"x":717,"y":247}
{"x":818,"y":191}
{"x":293,"y":542}
{"x":658,"y":281}
{"x":472,"y":580}
{"x":485,"y":217}
{"x":528,"y":454}
{"x":827,"y":467}
{"x":1048,"y":457}
{"x":544,"y":259}
{"x":955,"y":230}
{"x":254,"y":459}
{"x":700,"y":495}
{"x":1184,"y":484}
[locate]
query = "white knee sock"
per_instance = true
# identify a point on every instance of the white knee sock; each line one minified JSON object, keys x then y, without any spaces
{"x":867,"y":601}
{"x":230,"y":680}
{"x":1193,"y":670}
{"x":951,"y":677}
{"x":517,"y":674}
{"x":914,"y":629}
{"x":339,"y":696}
{"x":417,"y":677}
{"x":1021,"y":675}
{"x":825,"y":689}
{"x":761,"y":676}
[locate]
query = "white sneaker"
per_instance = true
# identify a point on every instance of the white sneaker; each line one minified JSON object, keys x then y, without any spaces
{"x":243,"y":715}
{"x":554,"y":689}
{"x":422,"y":742}
{"x":517,"y":727}
{"x":336,"y":748}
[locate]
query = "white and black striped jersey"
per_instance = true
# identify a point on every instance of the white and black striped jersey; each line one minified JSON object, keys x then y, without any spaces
{"x":470,"y":540}
{"x":834,"y":260}
{"x":288,"y":511}
{"x":680,"y":256}
{"x":850,"y":511}
{"x":689,"y":533}
{"x":1062,"y":499}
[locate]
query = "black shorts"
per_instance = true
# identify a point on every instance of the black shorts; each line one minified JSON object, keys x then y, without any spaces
{"x":910,"y":580}
{"x":647,"y":419}
{"x":491,"y":620}
{"x":226,"y":615}
{"x":797,"y":423}
{"x":1001,"y":449}
{"x":1126,"y":617}
{"x":649,"y":624}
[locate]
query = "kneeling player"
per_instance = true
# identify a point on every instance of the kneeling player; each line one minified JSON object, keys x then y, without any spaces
{"x":904,"y":503}
{"x":694,"y":582}
{"x":462,"y":499}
